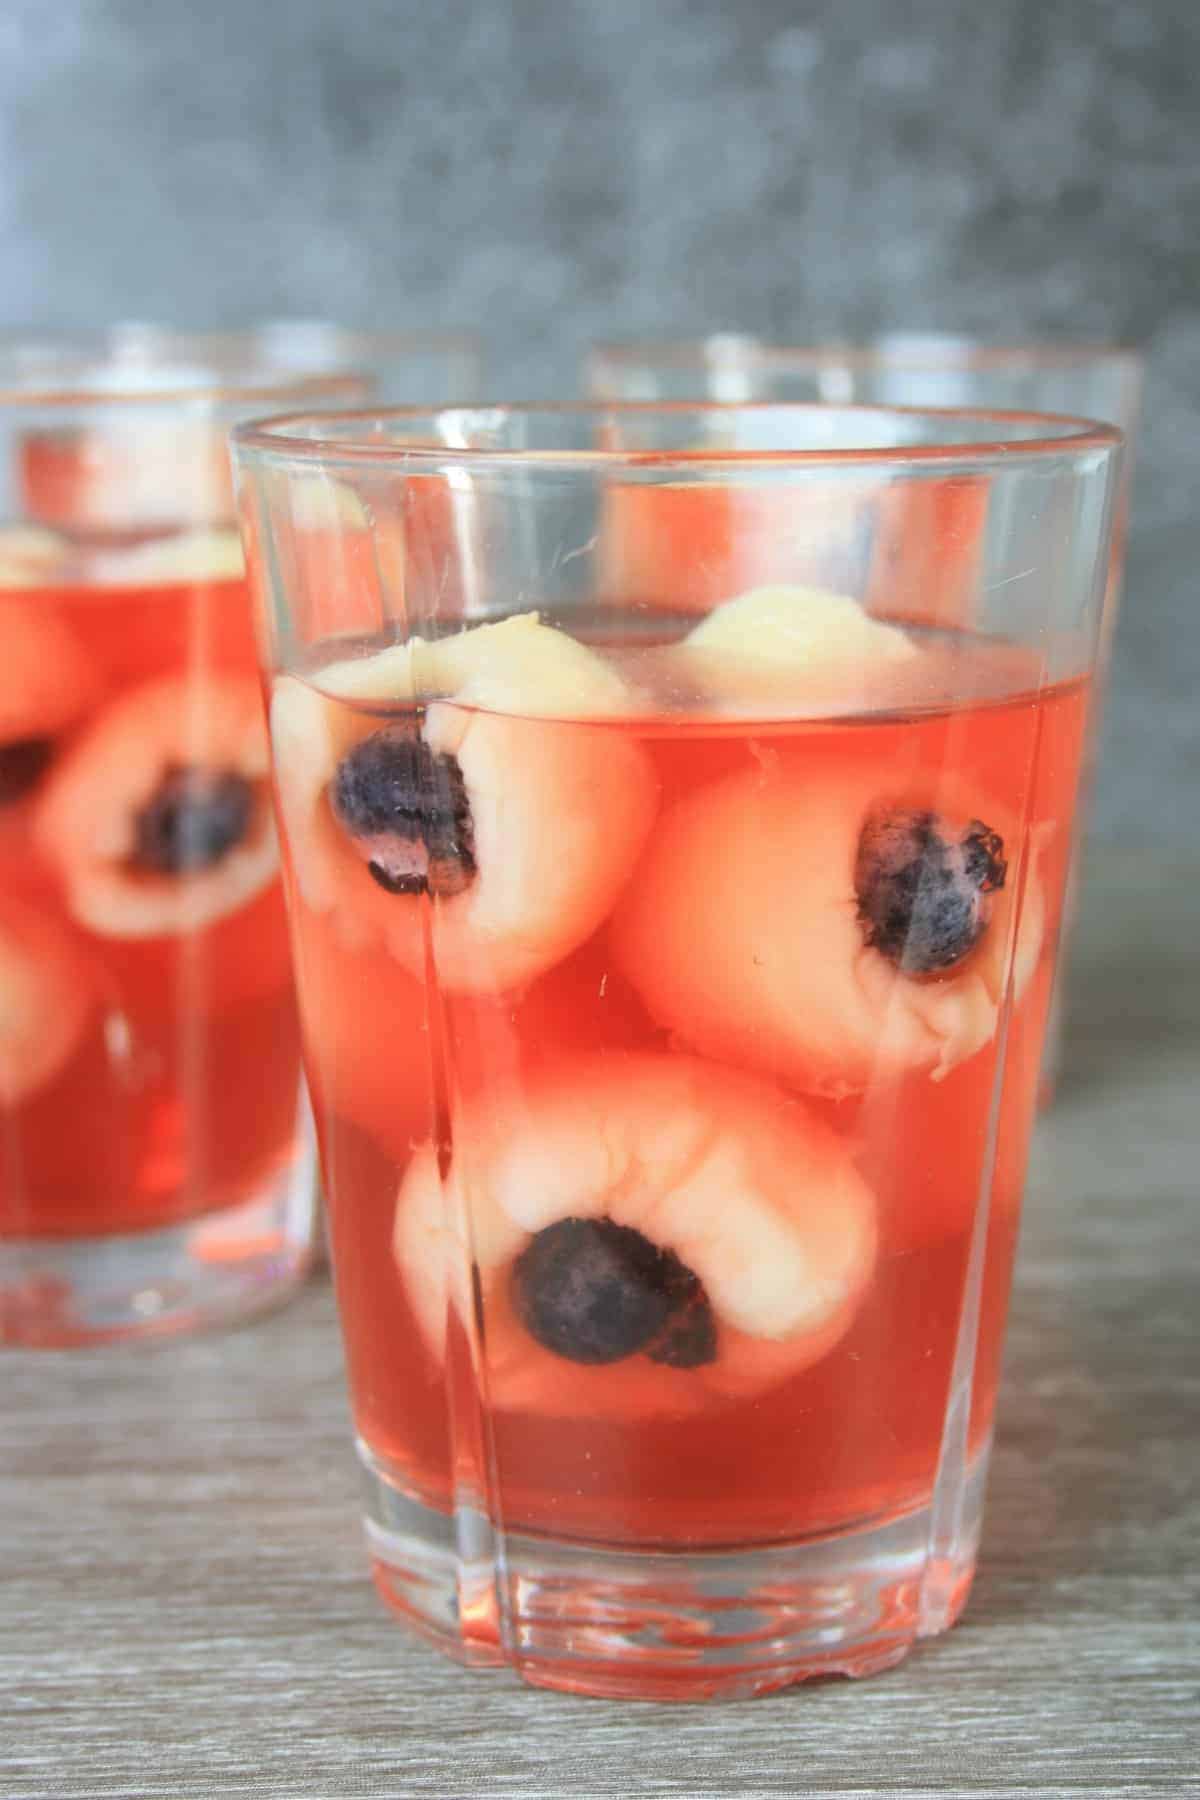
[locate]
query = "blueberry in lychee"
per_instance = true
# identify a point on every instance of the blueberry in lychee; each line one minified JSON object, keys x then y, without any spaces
{"x":923,"y":886}
{"x":193,"y":818}
{"x":407,"y":808}
{"x":689,"y":1338}
{"x":594,"y":1292}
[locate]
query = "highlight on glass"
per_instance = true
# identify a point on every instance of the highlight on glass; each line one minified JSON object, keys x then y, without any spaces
{"x":673,"y":924}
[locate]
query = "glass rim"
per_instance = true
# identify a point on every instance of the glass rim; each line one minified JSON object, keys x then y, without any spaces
{"x":313,"y":437}
{"x":143,"y":336}
{"x":262,"y":388}
{"x":916,"y":350}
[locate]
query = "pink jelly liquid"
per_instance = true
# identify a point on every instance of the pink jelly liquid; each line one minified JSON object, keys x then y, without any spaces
{"x":853,"y":1437}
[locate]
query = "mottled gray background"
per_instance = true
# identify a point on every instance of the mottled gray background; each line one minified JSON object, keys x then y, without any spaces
{"x":557,"y":169}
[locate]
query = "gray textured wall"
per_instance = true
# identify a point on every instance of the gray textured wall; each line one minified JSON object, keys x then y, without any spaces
{"x":554,"y":169}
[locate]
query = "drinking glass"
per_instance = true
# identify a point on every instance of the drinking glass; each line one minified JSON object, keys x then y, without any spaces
{"x":156,"y":1160}
{"x":673,"y":944}
{"x":156,"y":1167}
{"x":1090,"y":380}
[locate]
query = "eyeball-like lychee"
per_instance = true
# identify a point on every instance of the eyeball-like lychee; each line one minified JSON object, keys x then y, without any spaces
{"x":825,"y":922}
{"x":503,"y":836}
{"x":647,"y":1235}
{"x":47,"y":996}
{"x":47,"y":684}
{"x":158,"y":818}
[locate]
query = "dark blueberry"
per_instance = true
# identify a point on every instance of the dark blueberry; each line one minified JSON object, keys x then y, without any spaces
{"x":193,"y":818}
{"x":922,"y":886}
{"x":23,"y":762}
{"x":690,"y":1337}
{"x":395,"y":795}
{"x":596,"y":1292}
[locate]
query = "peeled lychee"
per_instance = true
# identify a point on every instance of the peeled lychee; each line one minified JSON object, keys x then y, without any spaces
{"x":158,"y":818}
{"x":825,"y":921}
{"x":504,"y":838}
{"x":517,"y":665}
{"x":646,"y":1235}
{"x":46,"y":998}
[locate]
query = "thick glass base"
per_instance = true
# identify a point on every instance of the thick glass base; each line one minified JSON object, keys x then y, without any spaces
{"x":662,"y":1624}
{"x":211,"y":1270}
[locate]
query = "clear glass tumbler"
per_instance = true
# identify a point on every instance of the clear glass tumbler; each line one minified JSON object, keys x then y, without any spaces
{"x":156,"y":1164}
{"x":1088,"y":380}
{"x":673,"y":942}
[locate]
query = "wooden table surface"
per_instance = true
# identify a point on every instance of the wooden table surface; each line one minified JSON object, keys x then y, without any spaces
{"x":184,"y":1605}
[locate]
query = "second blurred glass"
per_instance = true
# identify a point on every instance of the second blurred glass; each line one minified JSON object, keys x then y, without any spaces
{"x":156,"y":1168}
